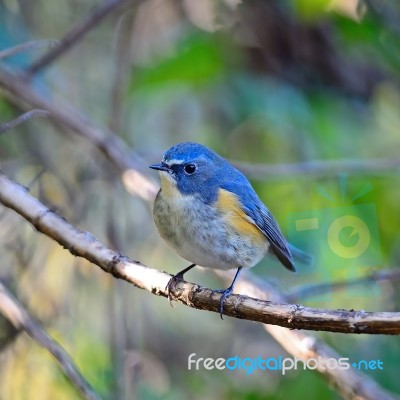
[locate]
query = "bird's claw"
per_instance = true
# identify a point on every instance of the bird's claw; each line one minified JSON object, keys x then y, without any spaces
{"x":171,"y":285}
{"x":225,"y":293}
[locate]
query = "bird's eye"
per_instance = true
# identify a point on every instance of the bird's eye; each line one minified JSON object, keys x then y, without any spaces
{"x":189,"y":169}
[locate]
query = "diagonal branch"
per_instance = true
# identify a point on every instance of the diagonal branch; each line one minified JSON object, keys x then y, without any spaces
{"x":294,"y":316}
{"x":75,"y":34}
{"x":109,"y":144}
{"x":20,"y":318}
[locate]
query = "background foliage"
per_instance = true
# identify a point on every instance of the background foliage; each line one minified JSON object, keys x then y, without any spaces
{"x":271,"y":82}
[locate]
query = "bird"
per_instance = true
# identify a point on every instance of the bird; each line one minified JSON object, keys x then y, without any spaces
{"x":209,"y":213}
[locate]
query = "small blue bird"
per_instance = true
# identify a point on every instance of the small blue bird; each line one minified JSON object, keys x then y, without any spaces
{"x":208,"y":212}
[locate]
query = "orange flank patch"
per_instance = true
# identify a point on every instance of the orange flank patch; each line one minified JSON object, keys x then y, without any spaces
{"x":229,"y":205}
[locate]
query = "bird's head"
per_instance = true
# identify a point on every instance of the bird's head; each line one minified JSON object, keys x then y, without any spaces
{"x":192,"y":169}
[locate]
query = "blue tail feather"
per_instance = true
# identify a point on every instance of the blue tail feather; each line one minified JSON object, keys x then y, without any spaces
{"x":301,"y":256}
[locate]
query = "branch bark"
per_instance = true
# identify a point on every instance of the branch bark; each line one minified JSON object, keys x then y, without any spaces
{"x":21,"y":319}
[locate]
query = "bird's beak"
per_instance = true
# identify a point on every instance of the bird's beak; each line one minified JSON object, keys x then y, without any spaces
{"x":160,"y":167}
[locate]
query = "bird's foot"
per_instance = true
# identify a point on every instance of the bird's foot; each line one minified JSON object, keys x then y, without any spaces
{"x":175,"y":279}
{"x":225,"y":294}
{"x":171,"y":285}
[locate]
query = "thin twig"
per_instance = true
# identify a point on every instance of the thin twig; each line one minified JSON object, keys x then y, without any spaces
{"x":121,"y":66}
{"x":317,"y":289}
{"x":31,"y":45}
{"x":306,"y":169}
{"x":75,"y":34}
{"x":36,"y":178}
{"x":22,"y":118}
{"x":319,"y":168}
{"x":21,"y":319}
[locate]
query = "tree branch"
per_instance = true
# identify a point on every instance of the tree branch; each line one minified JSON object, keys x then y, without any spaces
{"x":33,"y":44}
{"x":294,"y":316}
{"x":22,"y":118}
{"x":108,"y":143}
{"x":20,"y":318}
{"x":76,"y":33}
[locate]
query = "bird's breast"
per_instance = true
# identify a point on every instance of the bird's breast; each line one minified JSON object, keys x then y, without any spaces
{"x":215,"y":235}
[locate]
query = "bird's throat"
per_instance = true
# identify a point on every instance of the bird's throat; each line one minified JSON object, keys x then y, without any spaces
{"x":168,"y":187}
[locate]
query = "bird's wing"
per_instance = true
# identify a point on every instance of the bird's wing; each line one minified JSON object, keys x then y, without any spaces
{"x":260,"y":216}
{"x":267,"y":224}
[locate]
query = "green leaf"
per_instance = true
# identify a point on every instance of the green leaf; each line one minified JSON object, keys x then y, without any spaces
{"x":198,"y":61}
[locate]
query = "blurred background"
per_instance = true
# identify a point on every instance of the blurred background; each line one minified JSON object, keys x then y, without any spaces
{"x":310,"y":87}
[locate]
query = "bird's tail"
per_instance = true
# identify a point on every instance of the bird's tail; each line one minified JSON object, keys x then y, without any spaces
{"x":301,"y":256}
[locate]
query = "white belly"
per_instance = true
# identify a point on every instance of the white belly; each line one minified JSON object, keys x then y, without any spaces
{"x":201,"y":235}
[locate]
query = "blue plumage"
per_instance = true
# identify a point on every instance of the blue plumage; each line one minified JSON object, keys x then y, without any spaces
{"x":210,"y":214}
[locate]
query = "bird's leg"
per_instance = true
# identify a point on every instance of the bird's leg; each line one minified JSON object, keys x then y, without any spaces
{"x":176,"y":278}
{"x":226,"y":292}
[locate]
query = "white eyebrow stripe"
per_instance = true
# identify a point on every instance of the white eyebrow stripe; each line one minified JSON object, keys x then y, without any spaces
{"x":174,"y":161}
